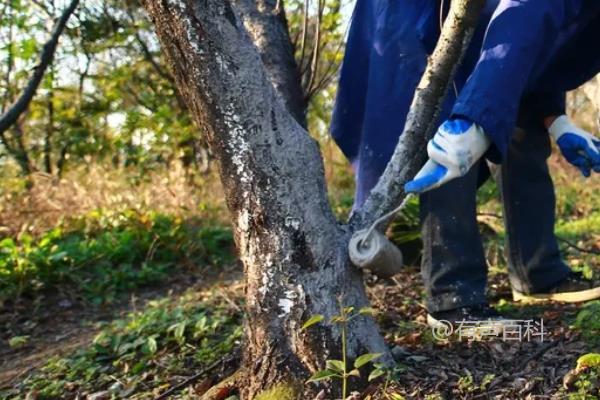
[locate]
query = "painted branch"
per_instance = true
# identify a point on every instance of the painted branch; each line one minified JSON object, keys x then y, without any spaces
{"x":293,"y":251}
{"x":266,"y":23}
{"x":411,"y":153}
{"x":14,"y":111}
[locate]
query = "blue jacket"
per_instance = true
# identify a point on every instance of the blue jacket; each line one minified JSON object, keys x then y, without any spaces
{"x":523,"y":58}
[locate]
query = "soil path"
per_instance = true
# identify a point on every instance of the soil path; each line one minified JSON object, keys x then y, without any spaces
{"x":55,"y":325}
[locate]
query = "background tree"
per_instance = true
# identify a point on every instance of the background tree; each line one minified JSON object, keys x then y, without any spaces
{"x":108,"y":94}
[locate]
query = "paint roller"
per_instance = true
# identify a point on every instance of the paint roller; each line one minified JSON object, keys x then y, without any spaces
{"x":370,"y":249}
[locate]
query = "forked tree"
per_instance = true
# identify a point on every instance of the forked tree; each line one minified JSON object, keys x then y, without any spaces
{"x":230,"y":67}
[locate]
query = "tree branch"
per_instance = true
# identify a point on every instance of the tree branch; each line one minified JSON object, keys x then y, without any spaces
{"x":266,"y":23}
{"x":410,"y":153}
{"x":12,"y":114}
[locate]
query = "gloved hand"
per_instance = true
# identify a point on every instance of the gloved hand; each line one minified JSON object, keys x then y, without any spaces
{"x":456,"y":146}
{"x":578,"y":146}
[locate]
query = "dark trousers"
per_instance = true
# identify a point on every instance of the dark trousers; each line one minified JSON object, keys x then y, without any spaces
{"x":454,"y":267}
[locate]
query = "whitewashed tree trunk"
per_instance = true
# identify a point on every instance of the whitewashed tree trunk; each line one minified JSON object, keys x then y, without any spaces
{"x":267,"y":25}
{"x":293,"y":250}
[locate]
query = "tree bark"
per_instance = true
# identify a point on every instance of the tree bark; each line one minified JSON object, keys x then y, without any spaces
{"x":19,"y":151}
{"x":49,"y":133}
{"x":411,"y":150}
{"x":592,"y":91}
{"x":267,"y":25}
{"x":293,"y":250}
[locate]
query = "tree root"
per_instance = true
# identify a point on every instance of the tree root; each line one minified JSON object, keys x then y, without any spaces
{"x":223,"y":389}
{"x":224,"y":361}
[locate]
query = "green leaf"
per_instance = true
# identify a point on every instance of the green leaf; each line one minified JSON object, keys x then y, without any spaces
{"x":315,"y":319}
{"x":588,"y":360}
{"x":335,"y":365}
{"x":8,"y":242}
{"x":18,"y":341}
{"x":367,"y":311}
{"x":180,"y":331}
{"x":58,"y":256}
{"x":323,"y":375}
{"x":354,"y":372}
{"x":152,"y":345}
{"x":376,"y":373}
{"x":365,"y":358}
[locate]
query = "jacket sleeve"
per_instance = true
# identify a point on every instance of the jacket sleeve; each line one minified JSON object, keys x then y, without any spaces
{"x":517,"y":47}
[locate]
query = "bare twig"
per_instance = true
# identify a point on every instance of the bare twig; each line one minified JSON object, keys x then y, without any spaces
{"x":314,"y":65}
{"x":304,"y":35}
{"x":578,"y":248}
{"x":538,"y":353}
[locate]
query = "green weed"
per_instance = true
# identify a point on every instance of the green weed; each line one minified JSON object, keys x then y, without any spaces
{"x":338,"y":369}
{"x":588,"y":322}
{"x":106,"y":253}
{"x":138,"y":354}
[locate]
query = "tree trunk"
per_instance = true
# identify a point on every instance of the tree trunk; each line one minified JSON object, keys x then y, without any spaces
{"x":49,"y":133}
{"x":592,"y":91}
{"x":267,"y":25}
{"x":293,"y":250}
{"x":20,"y":151}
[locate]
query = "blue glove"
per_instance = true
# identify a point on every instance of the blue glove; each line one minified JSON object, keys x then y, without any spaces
{"x":456,"y":146}
{"x":578,"y":146}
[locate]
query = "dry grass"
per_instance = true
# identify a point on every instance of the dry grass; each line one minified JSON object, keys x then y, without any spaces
{"x":45,"y":200}
{"x":42,"y":201}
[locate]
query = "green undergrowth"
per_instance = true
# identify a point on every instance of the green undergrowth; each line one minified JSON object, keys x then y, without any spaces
{"x":588,"y":323}
{"x":584,"y":225}
{"x":102,"y":254}
{"x":583,"y":382}
{"x":138,"y":357}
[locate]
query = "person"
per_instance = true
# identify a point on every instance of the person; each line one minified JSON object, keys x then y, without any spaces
{"x":506,"y":105}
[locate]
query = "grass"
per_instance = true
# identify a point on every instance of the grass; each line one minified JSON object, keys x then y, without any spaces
{"x":588,"y":323}
{"x":138,"y":356}
{"x":103,"y":254}
{"x":106,"y":236}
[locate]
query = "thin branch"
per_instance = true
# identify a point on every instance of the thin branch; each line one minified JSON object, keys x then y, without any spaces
{"x":316,"y":49}
{"x":410,"y":153}
{"x":578,"y":248}
{"x":330,"y":73}
{"x":304,"y":34}
{"x":9,"y":59}
{"x":12,"y":115}
{"x":146,"y":51}
{"x":43,"y":7}
{"x":150,"y":58}
{"x":228,"y":359}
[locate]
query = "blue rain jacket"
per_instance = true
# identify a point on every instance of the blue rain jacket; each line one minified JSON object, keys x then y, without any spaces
{"x":524,"y":56}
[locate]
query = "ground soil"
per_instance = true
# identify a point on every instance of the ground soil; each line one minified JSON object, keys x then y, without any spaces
{"x":57,"y":324}
{"x":452,"y":369}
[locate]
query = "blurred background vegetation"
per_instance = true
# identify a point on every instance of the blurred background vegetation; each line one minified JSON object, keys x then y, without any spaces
{"x":107,"y":188}
{"x":106,"y":156}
